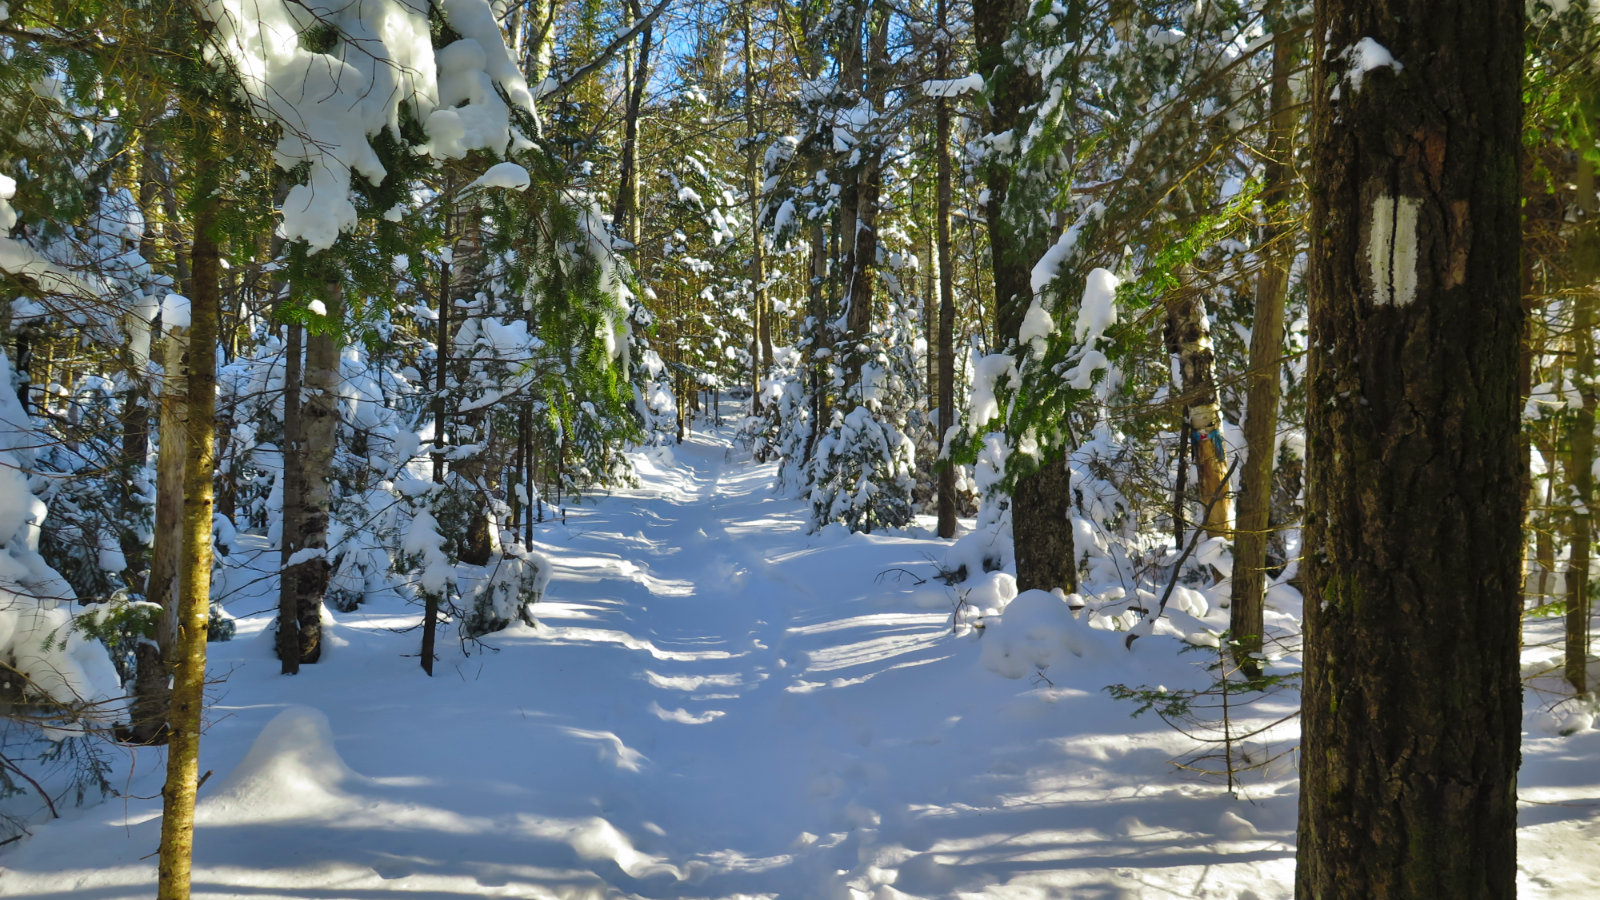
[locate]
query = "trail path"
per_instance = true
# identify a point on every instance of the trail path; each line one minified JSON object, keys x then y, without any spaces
{"x":714,"y":704}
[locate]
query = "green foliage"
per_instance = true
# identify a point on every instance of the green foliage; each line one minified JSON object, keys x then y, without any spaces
{"x":1114,"y":139}
{"x":120,"y":623}
{"x":555,"y":270}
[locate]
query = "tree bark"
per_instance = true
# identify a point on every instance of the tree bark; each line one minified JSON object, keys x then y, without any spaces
{"x":1580,"y":445}
{"x":1041,"y":503}
{"x":760,"y":329}
{"x":1412,"y":709}
{"x":947,"y":302}
{"x":1580,"y":472}
{"x":189,"y":657}
{"x":153,"y":693}
{"x":307,"y":580}
{"x":292,"y":499}
{"x":637,"y":76}
{"x":478,"y":471}
{"x":1191,"y":331}
{"x":1254,"y":515}
{"x":441,"y":382}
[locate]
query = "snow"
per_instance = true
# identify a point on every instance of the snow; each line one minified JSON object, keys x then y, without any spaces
{"x":953,"y":87}
{"x":1049,"y":266}
{"x":1038,"y":630}
{"x":987,"y":371}
{"x":1364,"y":56}
{"x":39,"y":640}
{"x":175,"y":311}
{"x":505,"y":175}
{"x":715,"y":704}
{"x":1098,"y":311}
{"x":1037,"y":326}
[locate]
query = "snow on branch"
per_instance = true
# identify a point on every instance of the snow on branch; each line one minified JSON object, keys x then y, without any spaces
{"x":332,"y":74}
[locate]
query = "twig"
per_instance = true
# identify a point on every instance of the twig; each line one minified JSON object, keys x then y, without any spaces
{"x":1194,"y":541}
{"x":6,"y":760}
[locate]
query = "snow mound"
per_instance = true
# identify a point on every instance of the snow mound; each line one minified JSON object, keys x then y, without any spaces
{"x":1036,"y":631}
{"x":291,"y":772}
{"x":1566,"y":719}
{"x":981,"y":551}
{"x":988,"y":594}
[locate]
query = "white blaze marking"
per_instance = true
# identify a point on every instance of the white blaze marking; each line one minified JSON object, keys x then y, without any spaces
{"x":1392,"y":250}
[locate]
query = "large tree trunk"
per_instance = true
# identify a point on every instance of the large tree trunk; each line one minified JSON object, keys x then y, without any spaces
{"x":194,"y":608}
{"x":1041,"y":504}
{"x":1412,"y":707}
{"x":1254,"y":514}
{"x":858,"y":222}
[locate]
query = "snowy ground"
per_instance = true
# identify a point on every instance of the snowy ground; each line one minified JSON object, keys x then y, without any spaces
{"x":716,"y":704}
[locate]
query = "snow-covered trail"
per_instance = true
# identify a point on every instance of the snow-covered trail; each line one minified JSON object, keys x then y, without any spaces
{"x":714,"y":704}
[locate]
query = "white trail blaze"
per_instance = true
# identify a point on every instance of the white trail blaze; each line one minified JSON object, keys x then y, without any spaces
{"x":1392,"y":250}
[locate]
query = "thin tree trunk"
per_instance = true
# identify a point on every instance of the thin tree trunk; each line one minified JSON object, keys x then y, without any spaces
{"x":1580,"y":468}
{"x":153,"y":692}
{"x":817,"y":312}
{"x":1412,"y":703}
{"x":760,"y":330}
{"x":947,"y":301}
{"x":1186,"y":314}
{"x":319,"y":419}
{"x":1247,"y":607}
{"x":636,"y":77}
{"x":166,"y":551}
{"x":1580,"y":471}
{"x":441,"y":381}
{"x":292,"y":500}
{"x":189,"y":657}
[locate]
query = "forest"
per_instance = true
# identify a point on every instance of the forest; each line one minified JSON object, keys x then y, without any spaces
{"x":799,"y":448}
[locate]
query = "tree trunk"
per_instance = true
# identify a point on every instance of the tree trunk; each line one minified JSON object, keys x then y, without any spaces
{"x":1248,"y":588}
{"x":189,"y":656}
{"x":1412,"y":709}
{"x":637,"y":76}
{"x":166,"y":551}
{"x":947,"y":302}
{"x":760,"y":329}
{"x":1580,"y":472}
{"x":319,"y":419}
{"x":478,"y":471}
{"x":441,"y":381}
{"x":817,"y":313}
{"x":1580,"y":467}
{"x":1191,"y":330}
{"x":292,"y":499}
{"x":1041,"y":504}
{"x":152,"y":693}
